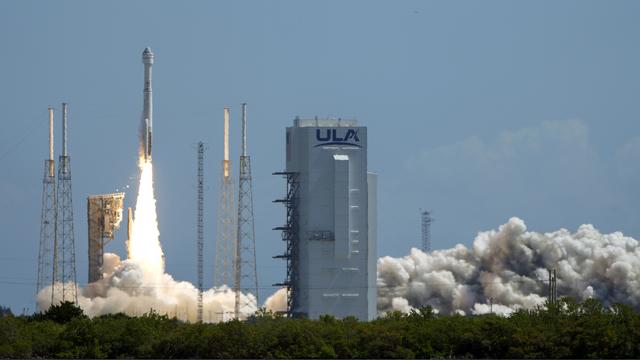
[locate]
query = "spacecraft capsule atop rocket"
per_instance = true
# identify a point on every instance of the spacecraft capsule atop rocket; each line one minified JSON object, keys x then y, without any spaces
{"x":147,"y":114}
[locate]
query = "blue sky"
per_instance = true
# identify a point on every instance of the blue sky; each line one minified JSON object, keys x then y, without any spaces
{"x":479,"y":111}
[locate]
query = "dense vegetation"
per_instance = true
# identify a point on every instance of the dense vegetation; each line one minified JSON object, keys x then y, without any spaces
{"x":569,"y":330}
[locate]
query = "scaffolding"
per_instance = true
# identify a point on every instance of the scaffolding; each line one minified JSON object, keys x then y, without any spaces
{"x":104,"y":214}
{"x":291,"y":238}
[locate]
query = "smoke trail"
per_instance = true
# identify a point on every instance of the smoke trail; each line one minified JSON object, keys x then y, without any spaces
{"x":509,"y":266}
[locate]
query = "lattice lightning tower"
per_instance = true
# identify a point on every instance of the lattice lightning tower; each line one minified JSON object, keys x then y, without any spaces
{"x":426,"y":230}
{"x":65,"y":285}
{"x":246,"y":276}
{"x":47,"y":219}
{"x":200,"y":226}
{"x":226,"y":225}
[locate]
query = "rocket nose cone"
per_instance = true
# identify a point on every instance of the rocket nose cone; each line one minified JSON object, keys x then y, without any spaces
{"x":147,"y":56}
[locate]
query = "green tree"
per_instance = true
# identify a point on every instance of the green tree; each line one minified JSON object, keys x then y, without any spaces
{"x":61,"y":313}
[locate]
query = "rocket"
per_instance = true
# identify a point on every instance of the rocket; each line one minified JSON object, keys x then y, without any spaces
{"x":147,"y":112}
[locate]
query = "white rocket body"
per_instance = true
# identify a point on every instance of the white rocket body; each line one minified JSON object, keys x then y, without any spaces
{"x":147,"y":112}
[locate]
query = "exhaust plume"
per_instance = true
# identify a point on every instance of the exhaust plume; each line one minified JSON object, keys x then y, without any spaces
{"x":509,"y":268}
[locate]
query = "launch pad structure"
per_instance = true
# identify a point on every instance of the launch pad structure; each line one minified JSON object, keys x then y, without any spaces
{"x":246,"y":276}
{"x":225,"y":219}
{"x":56,"y":251}
{"x":47,"y":219}
{"x":65,"y":286}
{"x":104,"y":214}
{"x":291,"y":237}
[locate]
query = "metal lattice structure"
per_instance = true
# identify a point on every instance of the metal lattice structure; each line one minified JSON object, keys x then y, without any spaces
{"x":46,"y":263}
{"x":65,"y":284}
{"x":245,"y":275}
{"x":427,"y":219}
{"x":200,"y":226}
{"x":225,"y":219}
{"x":291,"y":238}
{"x":552,"y":298}
{"x":104,"y":214}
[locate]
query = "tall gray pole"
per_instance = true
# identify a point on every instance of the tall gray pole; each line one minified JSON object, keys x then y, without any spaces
{"x":244,"y":129}
{"x":64,"y":129}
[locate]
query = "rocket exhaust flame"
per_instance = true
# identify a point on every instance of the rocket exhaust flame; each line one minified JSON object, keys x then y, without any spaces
{"x":144,"y":246}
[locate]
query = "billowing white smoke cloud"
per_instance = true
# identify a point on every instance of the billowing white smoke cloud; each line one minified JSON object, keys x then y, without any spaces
{"x":277,"y":302}
{"x":124,"y":290}
{"x":510,"y":266}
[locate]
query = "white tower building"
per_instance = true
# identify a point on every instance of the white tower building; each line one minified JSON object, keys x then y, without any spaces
{"x":331,"y":225}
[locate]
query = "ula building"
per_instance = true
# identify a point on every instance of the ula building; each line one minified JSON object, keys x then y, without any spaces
{"x":330,"y":232}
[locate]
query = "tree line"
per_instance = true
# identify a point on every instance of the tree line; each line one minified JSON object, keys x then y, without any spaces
{"x":568,"y":329}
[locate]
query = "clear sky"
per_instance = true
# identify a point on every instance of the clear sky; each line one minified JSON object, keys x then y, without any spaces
{"x":479,"y":111}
